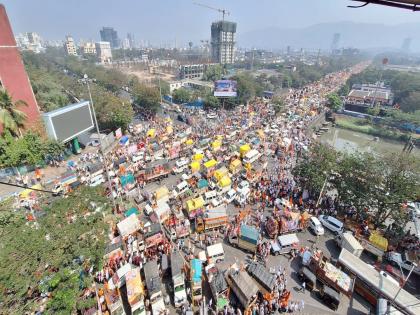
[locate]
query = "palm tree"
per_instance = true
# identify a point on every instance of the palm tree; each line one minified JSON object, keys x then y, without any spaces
{"x":11,"y":118}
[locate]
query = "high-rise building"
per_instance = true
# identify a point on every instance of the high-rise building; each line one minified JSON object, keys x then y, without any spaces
{"x":223,"y":41}
{"x":13,"y":76}
{"x":103,"y":51}
{"x":70,"y":46}
{"x":108,"y":34}
{"x":335,"y":42}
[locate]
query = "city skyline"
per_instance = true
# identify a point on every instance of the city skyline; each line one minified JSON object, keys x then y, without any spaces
{"x":144,"y":19}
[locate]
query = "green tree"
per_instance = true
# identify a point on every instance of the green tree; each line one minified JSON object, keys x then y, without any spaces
{"x":334,"y":101}
{"x":211,"y":102}
{"x":51,"y":256}
{"x":278,"y":104}
{"x":11,"y":118}
{"x":213,"y":73}
{"x":146,"y":97}
{"x":181,"y":96}
{"x":246,"y":87}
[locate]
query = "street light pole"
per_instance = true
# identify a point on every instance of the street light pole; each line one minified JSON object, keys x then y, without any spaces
{"x":101,"y":148}
{"x":405,"y":281}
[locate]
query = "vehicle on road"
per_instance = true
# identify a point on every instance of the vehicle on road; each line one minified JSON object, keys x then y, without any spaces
{"x":348,"y":241}
{"x":154,"y":287}
{"x":316,"y":226}
{"x":215,"y":253}
{"x":284,"y":244}
{"x":178,"y":279}
{"x":331,"y":223}
{"x":247,"y":239}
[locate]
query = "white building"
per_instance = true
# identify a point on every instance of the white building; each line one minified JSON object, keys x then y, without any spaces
{"x":103,"y":51}
{"x":70,"y":46}
{"x":29,"y":41}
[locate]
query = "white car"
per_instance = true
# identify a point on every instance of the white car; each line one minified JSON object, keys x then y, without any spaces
{"x":242,"y":185}
{"x":331,"y":223}
{"x":316,"y":226}
{"x":230,"y":196}
{"x":217,"y":201}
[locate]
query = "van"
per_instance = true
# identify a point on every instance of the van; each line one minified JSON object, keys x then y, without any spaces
{"x":242,"y":196}
{"x":96,"y":181}
{"x":251,"y":157}
{"x":284,"y":244}
{"x":230,"y":196}
{"x":331,"y":223}
{"x":215,"y":253}
{"x":180,"y":165}
{"x":209,"y":196}
{"x":180,"y":189}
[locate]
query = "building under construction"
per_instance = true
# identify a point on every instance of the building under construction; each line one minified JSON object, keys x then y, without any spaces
{"x":223,"y":42}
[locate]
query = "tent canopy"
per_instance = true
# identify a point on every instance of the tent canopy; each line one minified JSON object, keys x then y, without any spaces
{"x":195,"y":204}
{"x":198,"y":156}
{"x":220,"y":173}
{"x":129,"y":225}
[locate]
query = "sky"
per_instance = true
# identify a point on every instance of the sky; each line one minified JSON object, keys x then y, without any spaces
{"x":165,"y":21}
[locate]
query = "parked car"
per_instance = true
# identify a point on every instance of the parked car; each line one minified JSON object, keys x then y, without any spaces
{"x":316,"y":226}
{"x":331,"y":223}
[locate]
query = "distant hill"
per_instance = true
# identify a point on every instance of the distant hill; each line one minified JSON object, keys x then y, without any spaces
{"x":359,"y":35}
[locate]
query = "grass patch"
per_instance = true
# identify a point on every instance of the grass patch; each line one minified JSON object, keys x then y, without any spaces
{"x":361,"y":125}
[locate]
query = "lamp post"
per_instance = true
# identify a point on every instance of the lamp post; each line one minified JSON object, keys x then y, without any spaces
{"x":101,"y":149}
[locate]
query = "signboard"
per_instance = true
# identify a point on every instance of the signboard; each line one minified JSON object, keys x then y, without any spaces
{"x":68,"y":122}
{"x":225,"y":88}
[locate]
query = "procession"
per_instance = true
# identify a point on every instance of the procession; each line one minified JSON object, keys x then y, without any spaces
{"x":210,"y":218}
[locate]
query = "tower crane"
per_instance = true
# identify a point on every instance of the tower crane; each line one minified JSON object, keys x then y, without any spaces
{"x":223,"y":11}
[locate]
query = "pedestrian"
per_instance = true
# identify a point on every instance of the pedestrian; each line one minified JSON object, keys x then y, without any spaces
{"x":303,"y":287}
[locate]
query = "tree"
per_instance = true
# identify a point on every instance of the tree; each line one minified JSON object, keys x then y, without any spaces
{"x":11,"y":118}
{"x":181,"y":96}
{"x":411,"y":103}
{"x":278,"y":104}
{"x":245,"y":87}
{"x":213,"y":73}
{"x":146,"y":97}
{"x":54,"y":256}
{"x":211,"y":102}
{"x":334,"y":101}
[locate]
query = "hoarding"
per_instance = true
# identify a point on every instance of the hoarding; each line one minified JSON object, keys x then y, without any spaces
{"x":225,"y":88}
{"x":68,"y":122}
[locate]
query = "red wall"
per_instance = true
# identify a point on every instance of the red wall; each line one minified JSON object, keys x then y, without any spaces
{"x":13,"y":76}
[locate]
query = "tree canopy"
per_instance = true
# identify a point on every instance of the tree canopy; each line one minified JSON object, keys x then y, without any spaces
{"x":334,"y":101}
{"x":146,"y":97}
{"x":181,"y":96}
{"x":11,"y":118}
{"x":52,"y":254}
{"x":378,"y":185}
{"x":213,"y":73}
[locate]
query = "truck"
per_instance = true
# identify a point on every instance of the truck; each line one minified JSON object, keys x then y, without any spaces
{"x":404,"y":260}
{"x":135,"y":292}
{"x":218,"y":286}
{"x":247,"y":238}
{"x":327,"y":273}
{"x":348,"y":241}
{"x":244,"y":288}
{"x":64,"y":182}
{"x":154,"y":171}
{"x":262,"y":275}
{"x":178,"y":279}
{"x":212,"y":219}
{"x":196,"y":281}
{"x":290,"y":224}
{"x":376,"y":244}
{"x":154,"y":287}
{"x":154,"y":236}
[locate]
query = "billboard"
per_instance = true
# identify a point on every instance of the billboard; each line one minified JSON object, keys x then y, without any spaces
{"x":68,"y":122}
{"x":225,"y":88}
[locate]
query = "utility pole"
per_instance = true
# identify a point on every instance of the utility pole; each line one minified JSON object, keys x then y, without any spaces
{"x":101,"y":148}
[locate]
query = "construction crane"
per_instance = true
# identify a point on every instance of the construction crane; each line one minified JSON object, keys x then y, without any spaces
{"x":223,"y":11}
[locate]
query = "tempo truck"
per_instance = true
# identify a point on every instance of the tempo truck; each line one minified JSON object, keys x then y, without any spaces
{"x":348,"y":241}
{"x":196,"y":281}
{"x":154,"y":287}
{"x":178,"y":279}
{"x":247,"y":239}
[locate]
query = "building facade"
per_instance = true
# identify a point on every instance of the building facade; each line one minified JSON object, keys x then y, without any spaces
{"x":223,"y":42}
{"x":70,"y":46}
{"x":103,"y":52}
{"x":194,"y":71}
{"x":88,"y":48}
{"x":13,"y":76}
{"x":108,"y":34}
{"x":30,"y":41}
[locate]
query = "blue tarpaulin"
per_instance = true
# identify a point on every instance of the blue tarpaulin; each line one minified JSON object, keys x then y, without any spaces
{"x":196,"y":269}
{"x":202,"y":183}
{"x":249,"y":234}
{"x":127,"y":179}
{"x":131,"y":211}
{"x":124,"y":139}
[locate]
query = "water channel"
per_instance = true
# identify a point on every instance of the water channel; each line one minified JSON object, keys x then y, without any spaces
{"x":347,"y":140}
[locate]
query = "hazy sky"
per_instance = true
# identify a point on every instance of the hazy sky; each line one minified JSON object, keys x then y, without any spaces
{"x":166,"y":20}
